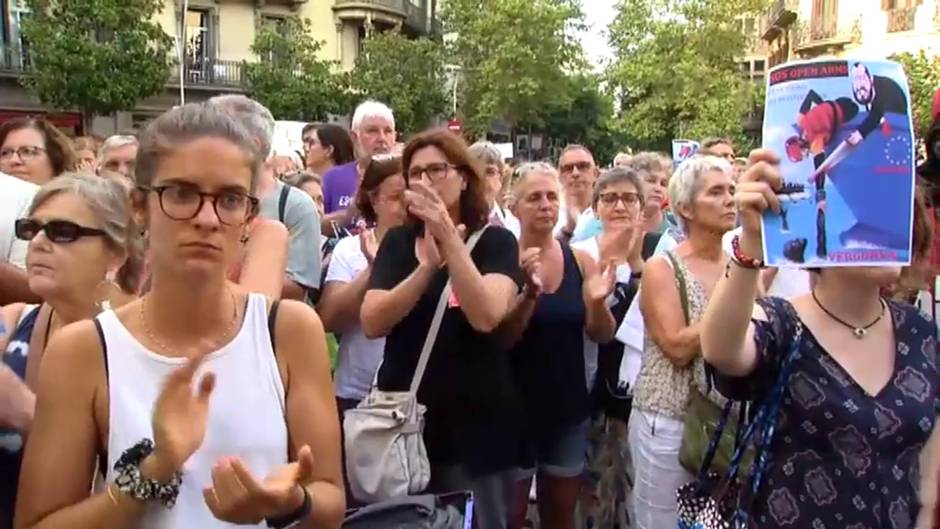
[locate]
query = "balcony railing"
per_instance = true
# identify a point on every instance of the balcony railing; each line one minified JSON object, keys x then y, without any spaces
{"x":209,"y":73}
{"x":13,"y":60}
{"x":415,"y":17}
{"x":779,"y":16}
{"x":825,"y":32}
{"x":901,"y":19}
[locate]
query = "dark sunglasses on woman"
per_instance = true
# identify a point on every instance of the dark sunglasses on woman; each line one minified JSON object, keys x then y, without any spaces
{"x":60,"y":231}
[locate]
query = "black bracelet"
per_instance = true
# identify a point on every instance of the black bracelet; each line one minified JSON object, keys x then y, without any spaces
{"x":636,"y":275}
{"x":293,"y":519}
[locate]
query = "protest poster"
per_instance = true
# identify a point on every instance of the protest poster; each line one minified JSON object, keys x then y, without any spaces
{"x":843,"y":131}
{"x":682,"y":150}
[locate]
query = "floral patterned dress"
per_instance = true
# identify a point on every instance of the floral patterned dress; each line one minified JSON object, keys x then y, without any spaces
{"x":841,"y":458}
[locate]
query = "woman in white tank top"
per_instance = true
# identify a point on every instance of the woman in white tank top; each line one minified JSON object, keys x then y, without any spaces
{"x":206,"y":414}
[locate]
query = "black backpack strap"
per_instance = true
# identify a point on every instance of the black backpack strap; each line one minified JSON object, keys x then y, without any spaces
{"x":282,"y":202}
{"x":104,"y":348}
{"x":272,"y":323}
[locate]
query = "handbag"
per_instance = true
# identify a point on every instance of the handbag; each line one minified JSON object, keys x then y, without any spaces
{"x":452,"y":511}
{"x":702,"y":415}
{"x":383,"y":436}
{"x":716,"y":501}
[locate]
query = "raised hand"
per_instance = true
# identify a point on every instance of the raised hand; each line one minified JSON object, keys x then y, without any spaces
{"x":635,"y":253}
{"x":531,"y":263}
{"x":237,"y":497}
{"x":368,"y":244}
{"x":601,"y":285}
{"x":755,"y":194}
{"x":424,"y":203}
{"x":426,"y":251}
{"x":572,"y":213}
{"x":179,"y":415}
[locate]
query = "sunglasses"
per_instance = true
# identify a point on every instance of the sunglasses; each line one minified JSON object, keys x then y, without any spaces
{"x":59,"y":231}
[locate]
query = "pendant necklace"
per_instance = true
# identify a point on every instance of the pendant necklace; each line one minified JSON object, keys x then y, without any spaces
{"x":858,"y":332}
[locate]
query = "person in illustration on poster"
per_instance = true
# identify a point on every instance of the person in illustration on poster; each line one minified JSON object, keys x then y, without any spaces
{"x":818,"y":122}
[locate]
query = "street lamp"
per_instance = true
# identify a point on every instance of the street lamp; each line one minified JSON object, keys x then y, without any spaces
{"x":181,"y":52}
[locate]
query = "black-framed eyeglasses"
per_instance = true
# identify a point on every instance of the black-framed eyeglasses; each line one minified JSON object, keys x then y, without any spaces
{"x":180,"y":202}
{"x":58,"y":231}
{"x":629,"y":198}
{"x":435,"y":171}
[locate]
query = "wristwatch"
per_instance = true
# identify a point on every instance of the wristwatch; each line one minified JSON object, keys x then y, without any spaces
{"x":293,"y":519}
{"x":129,"y":480}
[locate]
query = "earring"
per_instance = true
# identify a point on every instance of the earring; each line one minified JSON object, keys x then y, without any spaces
{"x":109,"y":281}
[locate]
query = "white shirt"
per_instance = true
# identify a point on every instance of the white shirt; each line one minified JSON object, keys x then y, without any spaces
{"x":592,"y":248}
{"x":358,"y":357}
{"x":246,"y":412}
{"x":16,"y":196}
{"x":503,"y":217}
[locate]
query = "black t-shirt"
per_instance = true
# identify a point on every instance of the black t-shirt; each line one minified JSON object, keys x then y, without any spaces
{"x":467,"y":387}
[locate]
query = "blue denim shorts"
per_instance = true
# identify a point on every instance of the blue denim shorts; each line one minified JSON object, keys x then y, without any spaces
{"x":563,"y":454}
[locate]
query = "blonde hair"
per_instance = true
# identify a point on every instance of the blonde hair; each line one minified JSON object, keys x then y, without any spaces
{"x":110,"y":204}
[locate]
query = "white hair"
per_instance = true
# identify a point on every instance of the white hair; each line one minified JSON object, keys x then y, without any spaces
{"x":250,"y":114}
{"x":116,"y":142}
{"x":686,"y":181}
{"x":372,"y":109}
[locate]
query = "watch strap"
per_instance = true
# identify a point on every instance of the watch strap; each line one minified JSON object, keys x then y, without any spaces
{"x":293,"y":519}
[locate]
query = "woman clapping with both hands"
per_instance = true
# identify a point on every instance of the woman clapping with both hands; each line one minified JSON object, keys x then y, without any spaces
{"x":257,"y":442}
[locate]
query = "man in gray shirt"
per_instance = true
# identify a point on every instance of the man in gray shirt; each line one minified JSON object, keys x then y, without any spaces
{"x":293,"y":208}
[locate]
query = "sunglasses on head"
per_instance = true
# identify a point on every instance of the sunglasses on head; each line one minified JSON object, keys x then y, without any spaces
{"x":60,"y":231}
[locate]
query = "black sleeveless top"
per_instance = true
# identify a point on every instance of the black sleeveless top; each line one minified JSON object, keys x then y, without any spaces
{"x":548,"y":362}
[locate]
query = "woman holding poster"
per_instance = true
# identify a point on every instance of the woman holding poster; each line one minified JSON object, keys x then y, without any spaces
{"x":862,"y":392}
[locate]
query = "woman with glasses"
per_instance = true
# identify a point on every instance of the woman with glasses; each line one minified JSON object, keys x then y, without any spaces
{"x":471,"y":417}
{"x":82,"y":256}
{"x":618,"y":203}
{"x":562,"y":302}
{"x":34,"y":150}
{"x":380,"y":200}
{"x":206,"y":406}
{"x":701,"y":195}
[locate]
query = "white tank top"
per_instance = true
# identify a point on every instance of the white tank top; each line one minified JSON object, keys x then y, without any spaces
{"x":246,"y":410}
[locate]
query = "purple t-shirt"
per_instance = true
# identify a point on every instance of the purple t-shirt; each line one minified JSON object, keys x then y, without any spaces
{"x":339,"y":186}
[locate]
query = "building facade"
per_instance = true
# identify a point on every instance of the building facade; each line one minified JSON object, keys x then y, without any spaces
{"x":218,"y":39}
{"x":807,"y":29}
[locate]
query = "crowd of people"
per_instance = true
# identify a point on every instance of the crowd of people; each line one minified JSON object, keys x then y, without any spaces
{"x":584,"y":308}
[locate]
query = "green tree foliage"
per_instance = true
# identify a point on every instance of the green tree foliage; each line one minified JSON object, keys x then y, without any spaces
{"x":923,"y":77}
{"x":289,"y":77}
{"x":514,"y":55}
{"x":100,"y":56}
{"x":675,"y":69}
{"x":584,"y":116}
{"x":406,"y":74}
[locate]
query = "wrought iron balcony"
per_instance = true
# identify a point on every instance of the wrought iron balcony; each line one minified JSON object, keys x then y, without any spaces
{"x":823,"y":34}
{"x":901,"y":19}
{"x":780,"y":15}
{"x":414,"y":17}
{"x":208,"y":73}
{"x":13,"y":61}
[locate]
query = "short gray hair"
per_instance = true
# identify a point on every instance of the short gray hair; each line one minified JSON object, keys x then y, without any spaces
{"x":255,"y":117}
{"x":528,"y":168}
{"x":487,"y":153}
{"x":648,"y":162}
{"x":686,"y":181}
{"x":619,"y":175}
{"x":187,"y":123}
{"x":109,"y":203}
{"x":372,"y":109}
{"x":116,"y":142}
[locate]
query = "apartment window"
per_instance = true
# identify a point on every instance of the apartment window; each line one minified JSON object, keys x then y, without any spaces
{"x":825,"y":9}
{"x":750,"y":26}
{"x":198,"y":36}
{"x":279,"y":23}
{"x":759,"y":66}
